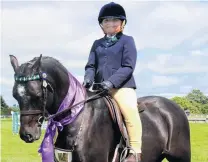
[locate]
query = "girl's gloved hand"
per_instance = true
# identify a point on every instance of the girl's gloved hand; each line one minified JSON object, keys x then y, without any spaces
{"x":106,"y":85}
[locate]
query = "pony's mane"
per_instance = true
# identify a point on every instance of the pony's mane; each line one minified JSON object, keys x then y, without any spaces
{"x":29,"y":64}
{"x":43,"y":58}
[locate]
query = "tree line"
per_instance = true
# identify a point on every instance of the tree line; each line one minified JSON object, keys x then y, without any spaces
{"x":195,"y":101}
{"x":5,"y":109}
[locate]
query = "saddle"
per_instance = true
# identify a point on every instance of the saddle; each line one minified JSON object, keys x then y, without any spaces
{"x":119,"y":121}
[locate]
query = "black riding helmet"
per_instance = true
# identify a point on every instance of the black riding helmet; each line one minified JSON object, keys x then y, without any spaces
{"x":112,"y":10}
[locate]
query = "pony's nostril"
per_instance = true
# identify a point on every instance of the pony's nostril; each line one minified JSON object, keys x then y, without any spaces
{"x":29,"y":137}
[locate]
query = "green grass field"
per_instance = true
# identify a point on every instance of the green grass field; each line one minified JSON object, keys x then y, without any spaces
{"x":13,"y":149}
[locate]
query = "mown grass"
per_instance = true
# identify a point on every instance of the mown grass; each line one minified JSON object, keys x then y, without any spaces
{"x":199,"y":142}
{"x":14,"y":149}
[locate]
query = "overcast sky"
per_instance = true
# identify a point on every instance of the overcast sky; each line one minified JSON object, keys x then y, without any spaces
{"x":171,"y":40}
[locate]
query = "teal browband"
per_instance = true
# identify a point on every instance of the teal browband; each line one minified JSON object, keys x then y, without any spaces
{"x":27,"y":78}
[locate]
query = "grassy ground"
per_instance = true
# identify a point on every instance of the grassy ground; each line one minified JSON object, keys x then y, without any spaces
{"x":199,"y":142}
{"x":14,"y":149}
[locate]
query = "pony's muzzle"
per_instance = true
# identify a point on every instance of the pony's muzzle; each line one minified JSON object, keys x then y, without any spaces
{"x":27,"y":137}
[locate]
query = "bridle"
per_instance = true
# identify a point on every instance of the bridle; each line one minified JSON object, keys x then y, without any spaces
{"x":45,"y":83}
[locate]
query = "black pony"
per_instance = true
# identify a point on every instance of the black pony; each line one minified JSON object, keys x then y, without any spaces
{"x":165,"y":126}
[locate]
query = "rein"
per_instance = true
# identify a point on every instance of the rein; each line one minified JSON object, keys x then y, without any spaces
{"x":83,"y":101}
{"x":45,"y":83}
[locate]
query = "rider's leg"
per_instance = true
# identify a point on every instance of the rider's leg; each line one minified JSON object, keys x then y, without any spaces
{"x":127,"y":101}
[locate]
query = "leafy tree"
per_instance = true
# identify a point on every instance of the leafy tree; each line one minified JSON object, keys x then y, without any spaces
{"x":197,"y":96}
{"x":4,"y":107}
{"x":204,"y":109}
{"x":184,"y":103}
{"x":3,"y":103}
{"x":195,"y":101}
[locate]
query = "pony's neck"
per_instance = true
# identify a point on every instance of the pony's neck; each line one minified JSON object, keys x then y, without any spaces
{"x":60,"y":79}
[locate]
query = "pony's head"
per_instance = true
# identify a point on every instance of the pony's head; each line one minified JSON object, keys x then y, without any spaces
{"x":31,"y":90}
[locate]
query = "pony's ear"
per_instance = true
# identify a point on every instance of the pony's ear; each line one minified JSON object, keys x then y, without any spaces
{"x":14,"y":62}
{"x":36,"y":66}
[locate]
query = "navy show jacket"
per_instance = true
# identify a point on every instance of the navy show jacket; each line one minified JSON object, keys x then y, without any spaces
{"x":114,"y":63}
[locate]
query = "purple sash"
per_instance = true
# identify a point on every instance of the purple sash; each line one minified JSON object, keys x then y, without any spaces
{"x":75,"y":94}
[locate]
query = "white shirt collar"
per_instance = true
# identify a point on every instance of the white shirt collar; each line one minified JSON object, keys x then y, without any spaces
{"x":109,"y":36}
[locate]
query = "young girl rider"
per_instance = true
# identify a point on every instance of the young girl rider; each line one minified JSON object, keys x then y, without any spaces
{"x":111,"y":62}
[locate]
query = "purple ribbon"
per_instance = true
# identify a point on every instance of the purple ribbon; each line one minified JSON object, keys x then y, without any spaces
{"x":75,"y":94}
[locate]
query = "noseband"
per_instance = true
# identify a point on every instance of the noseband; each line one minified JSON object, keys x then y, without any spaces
{"x":43,"y":78}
